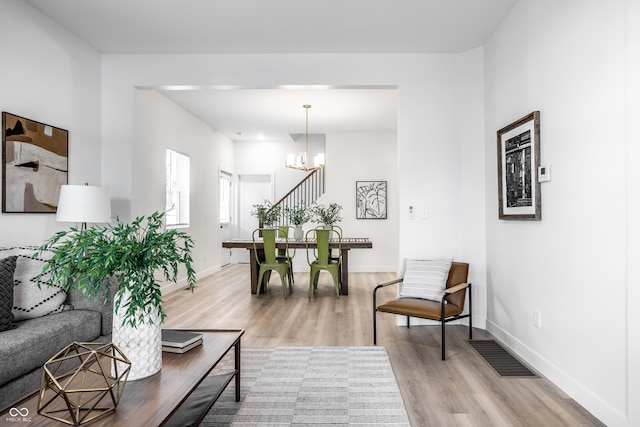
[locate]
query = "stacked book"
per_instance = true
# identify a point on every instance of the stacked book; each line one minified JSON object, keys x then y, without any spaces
{"x":174,"y":341}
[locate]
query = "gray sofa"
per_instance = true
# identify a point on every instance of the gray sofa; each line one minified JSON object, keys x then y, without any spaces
{"x":33,"y":340}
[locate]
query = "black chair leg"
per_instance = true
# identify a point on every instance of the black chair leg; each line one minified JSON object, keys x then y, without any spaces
{"x":374,"y":325}
{"x":470,"y":313}
{"x":442,"y":321}
{"x":443,"y":337}
{"x":375,"y":311}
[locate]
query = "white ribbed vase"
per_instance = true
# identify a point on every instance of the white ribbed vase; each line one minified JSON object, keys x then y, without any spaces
{"x":142,"y":345}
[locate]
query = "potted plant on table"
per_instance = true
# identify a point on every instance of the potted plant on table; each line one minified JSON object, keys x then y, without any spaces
{"x":327,"y":215}
{"x":127,"y":256}
{"x":266,"y":213}
{"x":298,"y":215}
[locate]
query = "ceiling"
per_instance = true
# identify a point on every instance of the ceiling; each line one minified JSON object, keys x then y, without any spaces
{"x":281,"y":26}
{"x":275,"y":114}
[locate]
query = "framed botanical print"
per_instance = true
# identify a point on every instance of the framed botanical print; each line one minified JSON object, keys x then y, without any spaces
{"x":34,"y":164}
{"x":518,"y":162}
{"x":371,"y":199}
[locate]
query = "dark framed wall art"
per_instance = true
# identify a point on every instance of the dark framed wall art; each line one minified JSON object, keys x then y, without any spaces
{"x":518,"y":162}
{"x":371,"y":199}
{"x":34,"y":164}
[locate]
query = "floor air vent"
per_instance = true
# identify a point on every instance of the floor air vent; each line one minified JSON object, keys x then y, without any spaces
{"x":500,"y":359}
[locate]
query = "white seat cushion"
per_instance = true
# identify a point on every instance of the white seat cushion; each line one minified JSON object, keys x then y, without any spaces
{"x":425,"y":279}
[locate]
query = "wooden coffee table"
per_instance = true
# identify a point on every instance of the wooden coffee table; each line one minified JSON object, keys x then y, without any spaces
{"x":182,"y":389}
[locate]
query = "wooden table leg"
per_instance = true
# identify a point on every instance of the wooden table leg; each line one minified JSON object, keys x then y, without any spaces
{"x":254,"y":271}
{"x":345,"y":272}
{"x":237,"y":367}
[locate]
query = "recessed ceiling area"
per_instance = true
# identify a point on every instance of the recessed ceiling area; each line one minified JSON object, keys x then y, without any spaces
{"x":273,"y":114}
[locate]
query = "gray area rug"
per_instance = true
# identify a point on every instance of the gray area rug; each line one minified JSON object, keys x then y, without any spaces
{"x":285,"y":386}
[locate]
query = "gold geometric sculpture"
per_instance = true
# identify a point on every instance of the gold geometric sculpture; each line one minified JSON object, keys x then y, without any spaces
{"x":82,"y":382}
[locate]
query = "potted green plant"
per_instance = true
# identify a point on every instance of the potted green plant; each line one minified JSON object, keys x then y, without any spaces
{"x":126,"y":255}
{"x":327,"y":215}
{"x":298,"y":215}
{"x":267,"y":213}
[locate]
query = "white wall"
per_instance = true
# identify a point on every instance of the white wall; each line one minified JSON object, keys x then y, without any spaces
{"x":440,"y":139}
{"x":161,"y":124}
{"x":568,"y":60}
{"x":469,"y":110}
{"x":48,"y":75}
{"x":575,"y":61}
{"x":633,"y":197}
{"x":355,"y":157}
{"x":351,"y":157}
{"x":433,"y":149}
{"x":267,"y":158}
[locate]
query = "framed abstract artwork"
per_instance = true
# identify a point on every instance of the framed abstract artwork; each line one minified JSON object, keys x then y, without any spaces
{"x":34,"y":164}
{"x":371,"y":199}
{"x":518,"y":162}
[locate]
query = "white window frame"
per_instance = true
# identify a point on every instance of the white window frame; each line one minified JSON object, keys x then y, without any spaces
{"x":178,"y":194}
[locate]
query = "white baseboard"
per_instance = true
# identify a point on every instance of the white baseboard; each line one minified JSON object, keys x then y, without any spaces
{"x":372,"y":268}
{"x":578,"y":392}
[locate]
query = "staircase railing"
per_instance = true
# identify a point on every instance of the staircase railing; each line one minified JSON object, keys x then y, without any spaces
{"x":305,"y":193}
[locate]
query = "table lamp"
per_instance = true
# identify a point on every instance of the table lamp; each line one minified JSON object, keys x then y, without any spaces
{"x":83,"y":204}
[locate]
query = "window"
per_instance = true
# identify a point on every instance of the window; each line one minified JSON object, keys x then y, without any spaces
{"x":225,"y":198}
{"x":177,"y":199}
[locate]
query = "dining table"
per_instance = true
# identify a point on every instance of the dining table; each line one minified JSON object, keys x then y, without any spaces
{"x":344,"y":245}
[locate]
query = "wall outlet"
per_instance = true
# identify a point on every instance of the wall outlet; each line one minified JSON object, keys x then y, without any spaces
{"x":537,"y":322}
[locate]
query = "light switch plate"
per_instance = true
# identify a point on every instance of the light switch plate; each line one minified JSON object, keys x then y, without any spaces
{"x":544,"y":173}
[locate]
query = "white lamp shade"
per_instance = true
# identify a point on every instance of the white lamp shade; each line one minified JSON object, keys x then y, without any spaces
{"x":84,"y":203}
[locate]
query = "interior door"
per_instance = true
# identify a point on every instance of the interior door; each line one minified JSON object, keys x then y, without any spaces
{"x":252,"y":189}
{"x":226,"y":192}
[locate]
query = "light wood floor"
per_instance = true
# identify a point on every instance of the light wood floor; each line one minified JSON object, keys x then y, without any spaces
{"x":461,"y":391}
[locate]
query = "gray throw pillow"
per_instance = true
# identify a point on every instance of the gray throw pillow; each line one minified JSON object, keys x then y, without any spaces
{"x":7,"y":267}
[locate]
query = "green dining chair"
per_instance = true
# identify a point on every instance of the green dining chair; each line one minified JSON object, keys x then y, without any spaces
{"x":323,"y":260}
{"x":331,"y":253}
{"x":283,"y":232}
{"x":269,"y":261}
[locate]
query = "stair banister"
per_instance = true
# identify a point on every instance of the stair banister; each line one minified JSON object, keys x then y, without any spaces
{"x":306,"y":192}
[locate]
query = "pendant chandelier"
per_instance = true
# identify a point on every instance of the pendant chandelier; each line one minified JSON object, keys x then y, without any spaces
{"x":301,"y":161}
